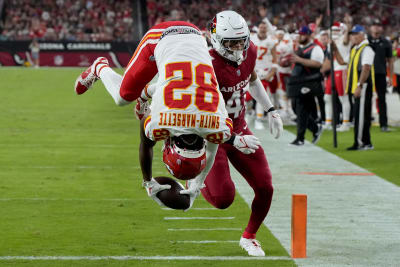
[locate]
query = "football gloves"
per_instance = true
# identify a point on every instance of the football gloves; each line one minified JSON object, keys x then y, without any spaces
{"x":142,"y":107}
{"x":246,"y":144}
{"x":193,"y":190}
{"x":153,"y":187}
{"x":275,"y":123}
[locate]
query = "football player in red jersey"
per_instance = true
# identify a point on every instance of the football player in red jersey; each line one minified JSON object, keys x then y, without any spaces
{"x":234,"y":59}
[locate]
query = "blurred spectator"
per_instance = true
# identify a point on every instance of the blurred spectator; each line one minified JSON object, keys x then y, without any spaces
{"x":35,"y":49}
{"x":81,"y":20}
{"x":281,"y":13}
{"x":396,"y":65}
{"x":304,"y":84}
{"x":383,"y":62}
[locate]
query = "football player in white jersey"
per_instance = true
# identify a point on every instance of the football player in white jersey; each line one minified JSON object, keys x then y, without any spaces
{"x":341,"y":47}
{"x":284,"y":49}
{"x":266,"y":67}
{"x":187,"y":106}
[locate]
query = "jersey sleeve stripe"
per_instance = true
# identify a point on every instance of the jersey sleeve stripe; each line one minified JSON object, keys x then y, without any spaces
{"x":148,"y":119}
{"x":229,"y":123}
{"x":139,"y":49}
{"x":147,"y":37}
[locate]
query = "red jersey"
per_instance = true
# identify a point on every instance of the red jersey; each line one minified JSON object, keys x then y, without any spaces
{"x":232,"y":80}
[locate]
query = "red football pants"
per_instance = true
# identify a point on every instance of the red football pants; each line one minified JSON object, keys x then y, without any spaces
{"x":220,"y":190}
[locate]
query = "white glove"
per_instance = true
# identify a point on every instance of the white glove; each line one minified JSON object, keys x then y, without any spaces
{"x":246,"y":144}
{"x":262,"y":74}
{"x":142,"y":107}
{"x":153,"y":187}
{"x":193,"y":191}
{"x":275,"y":123}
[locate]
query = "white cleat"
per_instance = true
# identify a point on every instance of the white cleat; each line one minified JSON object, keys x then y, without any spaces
{"x":258,"y":125}
{"x":90,"y":75}
{"x":343,"y":128}
{"x":252,"y":246}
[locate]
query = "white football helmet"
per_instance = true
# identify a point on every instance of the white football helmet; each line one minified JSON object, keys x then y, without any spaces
{"x":338,"y":29}
{"x":228,"y":27}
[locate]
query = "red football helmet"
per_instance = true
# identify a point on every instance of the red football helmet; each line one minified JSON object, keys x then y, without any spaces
{"x":184,"y":156}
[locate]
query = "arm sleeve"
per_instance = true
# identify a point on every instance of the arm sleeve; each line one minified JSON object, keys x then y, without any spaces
{"x":211,"y":151}
{"x":257,"y":91}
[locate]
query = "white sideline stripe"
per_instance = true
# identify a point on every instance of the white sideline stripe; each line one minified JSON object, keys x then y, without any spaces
{"x":199,"y":218}
{"x":351,"y":222}
{"x":127,"y":258}
{"x":194,"y":209}
{"x":46,"y":145}
{"x":205,"y":241}
{"x":67,"y":199}
{"x":73,"y":167}
{"x":204,"y":229}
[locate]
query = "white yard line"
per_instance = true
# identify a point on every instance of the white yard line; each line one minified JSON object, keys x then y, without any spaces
{"x":194,"y":209}
{"x":72,"y":167}
{"x":199,"y":218}
{"x":351,"y":220}
{"x":204,"y":241}
{"x":129,"y":258}
{"x":205,"y":229}
{"x":69,"y":199}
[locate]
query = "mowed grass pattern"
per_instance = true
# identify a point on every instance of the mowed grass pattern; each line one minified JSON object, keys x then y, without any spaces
{"x":70,"y":183}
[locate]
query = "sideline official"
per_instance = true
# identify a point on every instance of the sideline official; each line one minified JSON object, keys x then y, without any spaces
{"x":383,"y":59}
{"x":304,"y":84}
{"x":360,"y":82}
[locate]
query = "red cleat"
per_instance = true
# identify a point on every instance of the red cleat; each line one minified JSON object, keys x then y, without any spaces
{"x":90,"y":75}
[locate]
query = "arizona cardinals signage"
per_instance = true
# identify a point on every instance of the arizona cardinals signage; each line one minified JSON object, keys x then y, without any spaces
{"x":66,"y":54}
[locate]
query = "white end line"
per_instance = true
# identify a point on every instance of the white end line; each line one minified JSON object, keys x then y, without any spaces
{"x":199,"y":218}
{"x":205,"y":229}
{"x":205,"y":241}
{"x":125,"y":258}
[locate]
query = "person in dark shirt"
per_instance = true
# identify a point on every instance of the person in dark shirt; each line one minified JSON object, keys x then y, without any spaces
{"x":383,"y":58}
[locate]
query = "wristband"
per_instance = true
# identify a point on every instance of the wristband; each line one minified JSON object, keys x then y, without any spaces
{"x":231,"y":140}
{"x":271,"y":109}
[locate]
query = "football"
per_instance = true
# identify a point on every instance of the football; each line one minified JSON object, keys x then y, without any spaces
{"x":285,"y":61}
{"x":171,"y":197}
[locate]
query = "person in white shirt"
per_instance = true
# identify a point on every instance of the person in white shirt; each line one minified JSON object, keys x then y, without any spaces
{"x":360,"y":83}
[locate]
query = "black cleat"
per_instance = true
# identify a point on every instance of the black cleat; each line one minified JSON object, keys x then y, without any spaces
{"x":297,"y":143}
{"x":317,"y":135}
{"x":353,"y":148}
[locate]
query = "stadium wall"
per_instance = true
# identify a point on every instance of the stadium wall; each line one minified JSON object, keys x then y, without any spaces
{"x":66,"y":54}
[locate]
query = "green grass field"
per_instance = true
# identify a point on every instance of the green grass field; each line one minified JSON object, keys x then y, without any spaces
{"x":383,"y":160}
{"x":70,"y":183}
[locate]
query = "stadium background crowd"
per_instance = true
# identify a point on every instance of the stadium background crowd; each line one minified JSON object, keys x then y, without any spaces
{"x":96,"y":20}
{"x":113,"y":20}
{"x":54,"y":20}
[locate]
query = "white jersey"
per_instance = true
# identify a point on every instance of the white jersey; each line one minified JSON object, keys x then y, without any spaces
{"x":264,"y":54}
{"x":186,"y":99}
{"x":284,"y":48}
{"x":344,"y":51}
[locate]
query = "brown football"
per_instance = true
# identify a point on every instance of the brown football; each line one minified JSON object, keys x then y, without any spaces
{"x":171,"y":197}
{"x":285,"y":61}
